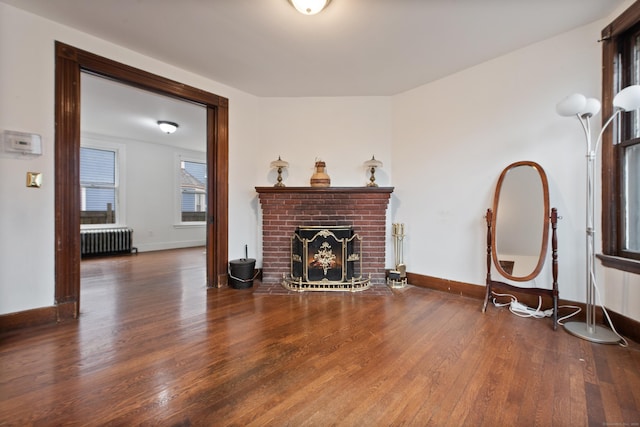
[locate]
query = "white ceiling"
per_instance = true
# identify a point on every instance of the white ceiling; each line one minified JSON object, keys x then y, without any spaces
{"x":353,"y":47}
{"x":267,"y":48}
{"x":115,"y":109}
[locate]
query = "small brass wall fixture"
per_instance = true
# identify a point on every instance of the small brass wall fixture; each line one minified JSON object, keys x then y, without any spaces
{"x":34,"y":179}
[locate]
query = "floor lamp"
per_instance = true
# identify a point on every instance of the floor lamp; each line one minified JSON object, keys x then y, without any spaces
{"x":584,"y":108}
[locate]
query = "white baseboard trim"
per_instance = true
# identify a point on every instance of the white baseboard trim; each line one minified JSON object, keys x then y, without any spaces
{"x":162,"y":246}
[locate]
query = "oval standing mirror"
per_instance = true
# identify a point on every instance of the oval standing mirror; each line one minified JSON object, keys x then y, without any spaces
{"x":520,"y":223}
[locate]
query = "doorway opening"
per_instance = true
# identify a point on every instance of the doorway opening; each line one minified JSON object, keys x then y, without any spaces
{"x":70,"y":63}
{"x":141,"y":187}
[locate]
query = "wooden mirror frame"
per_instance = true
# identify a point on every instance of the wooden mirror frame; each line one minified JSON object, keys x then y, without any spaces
{"x":550,"y":217}
{"x":545,"y":222}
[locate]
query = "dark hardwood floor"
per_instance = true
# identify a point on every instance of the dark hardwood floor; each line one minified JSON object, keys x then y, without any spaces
{"x":153,"y":346}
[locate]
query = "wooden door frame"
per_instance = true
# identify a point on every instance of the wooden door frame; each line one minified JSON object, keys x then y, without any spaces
{"x":70,"y":62}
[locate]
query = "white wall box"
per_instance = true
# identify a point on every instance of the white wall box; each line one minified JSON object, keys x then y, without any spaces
{"x":21,"y":145}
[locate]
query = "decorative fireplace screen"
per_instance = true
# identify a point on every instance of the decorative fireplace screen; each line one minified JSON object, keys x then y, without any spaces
{"x":326,"y":259}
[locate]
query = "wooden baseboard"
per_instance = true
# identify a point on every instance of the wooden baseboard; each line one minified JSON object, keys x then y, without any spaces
{"x":28,"y":318}
{"x":449,"y":286}
{"x":67,"y":311}
{"x":37,"y":317}
{"x":625,"y":326}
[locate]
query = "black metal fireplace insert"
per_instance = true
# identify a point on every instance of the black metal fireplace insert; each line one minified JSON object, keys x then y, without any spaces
{"x":326,"y":258}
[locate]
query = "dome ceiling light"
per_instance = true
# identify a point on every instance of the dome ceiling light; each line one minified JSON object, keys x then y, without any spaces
{"x":309,"y":7}
{"x":167,"y":127}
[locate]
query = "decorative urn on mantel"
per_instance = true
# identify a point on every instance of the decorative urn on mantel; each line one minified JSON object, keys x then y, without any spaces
{"x":320,"y":177}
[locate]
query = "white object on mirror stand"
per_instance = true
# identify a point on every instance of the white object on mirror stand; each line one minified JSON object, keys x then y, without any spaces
{"x":583,"y":108}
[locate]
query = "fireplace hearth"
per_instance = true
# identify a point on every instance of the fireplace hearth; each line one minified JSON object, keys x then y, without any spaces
{"x":326,"y":258}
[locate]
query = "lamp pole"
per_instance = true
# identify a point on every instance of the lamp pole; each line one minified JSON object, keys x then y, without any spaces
{"x":578,"y":105}
{"x":589,"y":330}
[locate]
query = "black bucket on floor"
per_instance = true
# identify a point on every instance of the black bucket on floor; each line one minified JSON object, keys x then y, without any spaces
{"x":241,"y":273}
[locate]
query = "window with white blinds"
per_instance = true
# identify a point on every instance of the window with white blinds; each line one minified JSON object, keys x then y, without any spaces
{"x":98,"y":186}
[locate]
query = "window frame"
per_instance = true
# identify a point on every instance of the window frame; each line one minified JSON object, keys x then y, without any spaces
{"x":120,"y":193}
{"x":613,"y":255}
{"x":179,"y":223}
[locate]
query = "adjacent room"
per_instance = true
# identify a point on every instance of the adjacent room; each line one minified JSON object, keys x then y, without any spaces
{"x":345,"y":212}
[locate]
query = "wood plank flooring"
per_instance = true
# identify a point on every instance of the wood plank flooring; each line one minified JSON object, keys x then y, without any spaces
{"x":153,"y":346}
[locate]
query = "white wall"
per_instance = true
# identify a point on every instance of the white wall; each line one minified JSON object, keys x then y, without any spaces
{"x":149,"y":189}
{"x":343,"y":132}
{"x":27,"y":105}
{"x":152,"y":197}
{"x":454,"y":137}
{"x":444,"y":144}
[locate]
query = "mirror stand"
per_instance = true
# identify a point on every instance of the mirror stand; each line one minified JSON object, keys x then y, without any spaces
{"x":491,"y":284}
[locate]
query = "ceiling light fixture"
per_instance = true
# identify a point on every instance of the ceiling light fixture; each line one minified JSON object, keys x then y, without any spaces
{"x":167,"y":127}
{"x":309,"y":7}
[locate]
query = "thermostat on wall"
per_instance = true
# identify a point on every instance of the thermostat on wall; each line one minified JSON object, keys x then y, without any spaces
{"x":21,"y":145}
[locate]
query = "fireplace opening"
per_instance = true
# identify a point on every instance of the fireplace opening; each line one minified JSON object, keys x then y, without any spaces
{"x":326,"y":258}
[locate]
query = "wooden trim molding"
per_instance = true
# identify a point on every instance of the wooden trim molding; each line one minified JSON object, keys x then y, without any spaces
{"x":622,"y":264}
{"x":70,"y":62}
{"x":28,"y":318}
{"x":67,"y":171}
{"x":611,"y":179}
{"x":37,"y":317}
{"x":444,"y":285}
{"x":626,"y":326}
{"x":320,"y":190}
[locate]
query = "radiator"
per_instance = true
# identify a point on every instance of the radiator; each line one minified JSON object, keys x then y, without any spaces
{"x":106,"y":241}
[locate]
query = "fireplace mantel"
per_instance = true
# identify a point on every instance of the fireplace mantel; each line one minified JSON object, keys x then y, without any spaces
{"x":331,"y":190}
{"x":285,"y":208}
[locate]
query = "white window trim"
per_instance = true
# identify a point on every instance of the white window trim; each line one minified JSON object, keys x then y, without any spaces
{"x":121,"y":196}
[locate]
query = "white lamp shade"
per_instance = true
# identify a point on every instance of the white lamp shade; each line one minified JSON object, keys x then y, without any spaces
{"x":572,"y":105}
{"x":279,"y":163}
{"x":373,"y":163}
{"x":628,"y":99}
{"x":591,"y":108}
{"x":309,"y":7}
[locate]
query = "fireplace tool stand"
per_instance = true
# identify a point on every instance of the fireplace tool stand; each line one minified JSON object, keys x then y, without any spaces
{"x":398,"y":278}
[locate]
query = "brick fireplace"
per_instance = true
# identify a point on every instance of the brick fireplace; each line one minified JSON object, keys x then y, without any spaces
{"x":285,"y":208}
